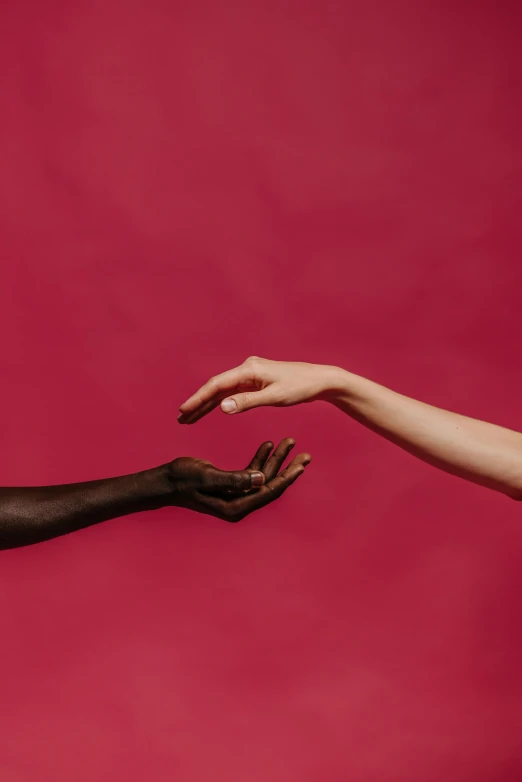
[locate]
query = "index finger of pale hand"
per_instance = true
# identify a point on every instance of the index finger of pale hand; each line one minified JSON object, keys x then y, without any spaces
{"x":227,"y":381}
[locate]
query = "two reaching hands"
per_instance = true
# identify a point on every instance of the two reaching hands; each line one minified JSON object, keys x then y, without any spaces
{"x":256,"y":382}
{"x":477,"y":451}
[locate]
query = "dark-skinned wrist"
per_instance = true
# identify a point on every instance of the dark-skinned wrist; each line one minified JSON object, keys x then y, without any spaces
{"x":158,"y":485}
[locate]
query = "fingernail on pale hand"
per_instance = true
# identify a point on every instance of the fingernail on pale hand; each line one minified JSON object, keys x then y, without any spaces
{"x":228,"y":405}
{"x":257,"y":478}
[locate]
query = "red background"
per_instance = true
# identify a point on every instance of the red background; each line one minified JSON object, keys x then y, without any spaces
{"x":183,"y":185}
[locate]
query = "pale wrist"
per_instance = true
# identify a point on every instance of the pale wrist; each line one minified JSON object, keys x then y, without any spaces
{"x":341,"y":385}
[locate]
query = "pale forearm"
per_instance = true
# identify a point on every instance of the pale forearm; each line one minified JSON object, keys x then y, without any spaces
{"x":475,"y":450}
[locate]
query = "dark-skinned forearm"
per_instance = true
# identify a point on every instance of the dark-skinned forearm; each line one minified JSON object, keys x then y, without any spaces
{"x":34,"y":514}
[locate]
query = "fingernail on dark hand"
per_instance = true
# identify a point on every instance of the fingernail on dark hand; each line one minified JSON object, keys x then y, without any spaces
{"x":257,"y":479}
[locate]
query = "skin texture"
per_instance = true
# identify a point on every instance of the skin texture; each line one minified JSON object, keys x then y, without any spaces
{"x":477,"y":451}
{"x":34,"y":514}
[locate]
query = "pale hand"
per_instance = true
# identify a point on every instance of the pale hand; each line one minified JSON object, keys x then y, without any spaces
{"x":259,"y":382}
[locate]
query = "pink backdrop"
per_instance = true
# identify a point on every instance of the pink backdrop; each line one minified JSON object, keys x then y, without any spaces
{"x":182,"y":186}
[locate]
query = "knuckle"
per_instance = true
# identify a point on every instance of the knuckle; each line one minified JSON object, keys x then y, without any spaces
{"x":237,"y":480}
{"x":275,"y":489}
{"x":247,"y":400}
{"x":206,"y":479}
{"x":254,"y":363}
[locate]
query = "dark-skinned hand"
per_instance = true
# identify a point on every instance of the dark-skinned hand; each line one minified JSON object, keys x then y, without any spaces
{"x":33,"y":514}
{"x":231,"y":496}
